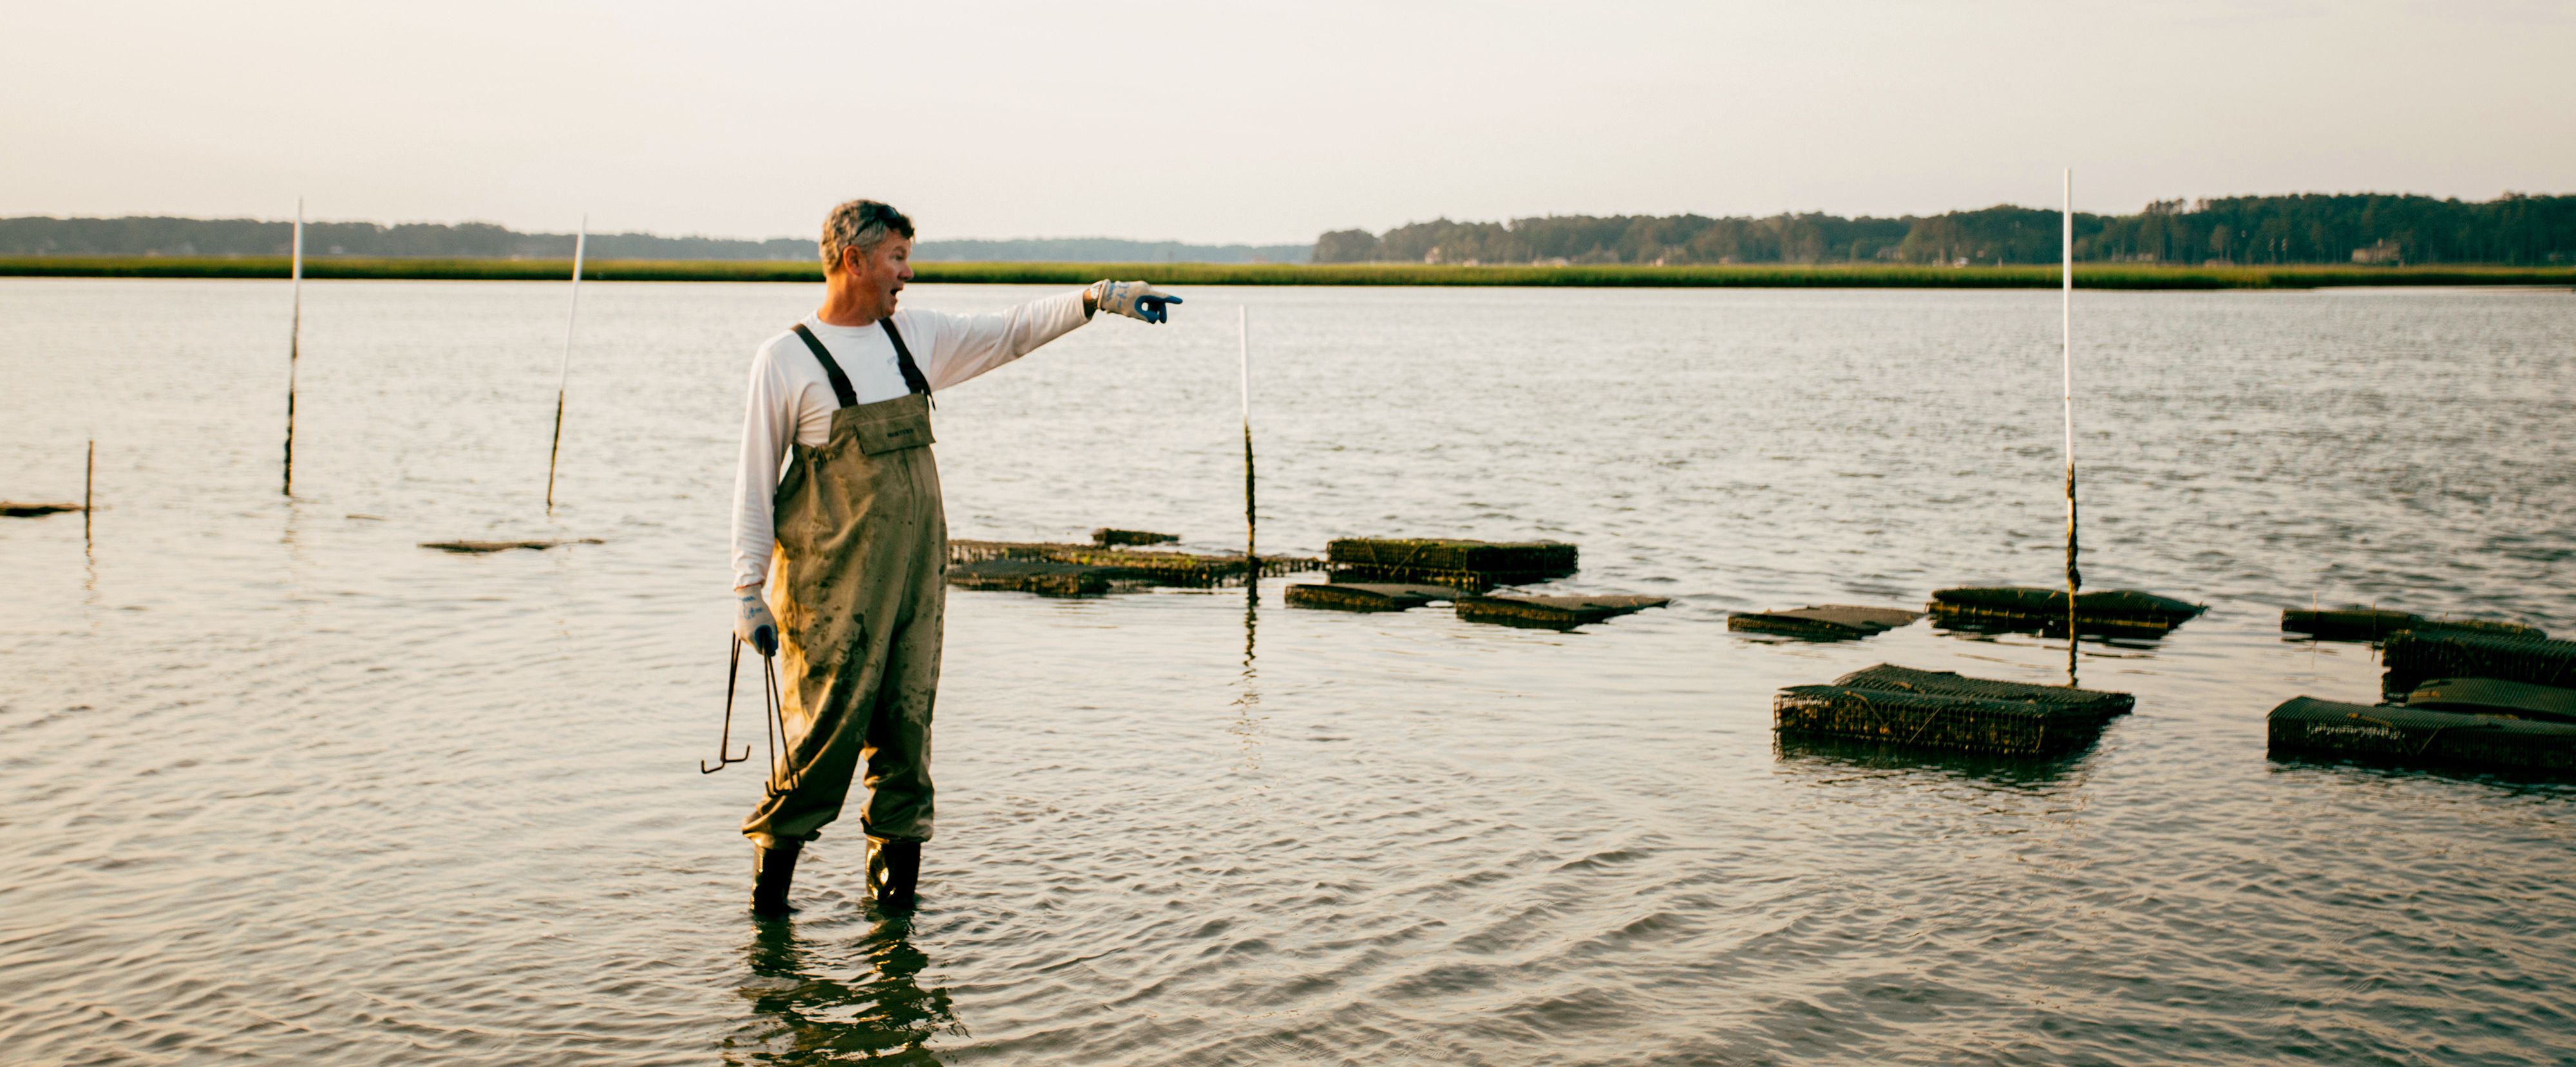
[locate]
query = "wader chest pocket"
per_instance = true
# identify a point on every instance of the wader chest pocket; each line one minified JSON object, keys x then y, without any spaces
{"x":911,"y":430}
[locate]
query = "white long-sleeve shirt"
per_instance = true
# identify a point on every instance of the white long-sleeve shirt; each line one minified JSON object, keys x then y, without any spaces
{"x":792,"y":400}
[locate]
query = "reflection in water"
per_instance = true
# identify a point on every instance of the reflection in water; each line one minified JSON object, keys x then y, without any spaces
{"x":1251,"y":620}
{"x":299,"y":560}
{"x":89,"y":510}
{"x":1247,"y":704}
{"x":860,"y":1003}
{"x":1829,"y":757}
{"x":1468,"y":845}
{"x":2105,"y":645}
{"x":2374,"y":779}
{"x":2108,"y":634}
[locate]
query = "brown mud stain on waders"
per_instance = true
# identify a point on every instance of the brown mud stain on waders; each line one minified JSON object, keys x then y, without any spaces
{"x":863,"y":547}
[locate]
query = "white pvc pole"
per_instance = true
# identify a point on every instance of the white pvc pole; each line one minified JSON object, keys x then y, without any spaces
{"x":1251,"y":516}
{"x":2066,"y":327}
{"x":563,"y":377}
{"x":294,"y":341}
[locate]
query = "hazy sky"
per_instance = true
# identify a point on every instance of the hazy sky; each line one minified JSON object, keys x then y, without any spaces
{"x":1262,"y":122}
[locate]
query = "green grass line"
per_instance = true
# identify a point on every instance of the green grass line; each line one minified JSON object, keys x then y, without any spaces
{"x":1869,"y":276}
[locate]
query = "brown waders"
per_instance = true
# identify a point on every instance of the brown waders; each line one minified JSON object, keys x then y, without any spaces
{"x":863,"y":551}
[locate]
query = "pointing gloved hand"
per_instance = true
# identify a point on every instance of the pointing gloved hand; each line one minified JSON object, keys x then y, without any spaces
{"x":752,"y":621}
{"x":1136,"y":300}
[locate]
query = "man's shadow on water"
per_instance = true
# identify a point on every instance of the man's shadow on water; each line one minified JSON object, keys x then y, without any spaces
{"x":818,"y":1001}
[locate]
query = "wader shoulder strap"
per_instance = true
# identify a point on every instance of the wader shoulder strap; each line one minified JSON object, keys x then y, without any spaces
{"x":831,"y":369}
{"x":912,"y":378}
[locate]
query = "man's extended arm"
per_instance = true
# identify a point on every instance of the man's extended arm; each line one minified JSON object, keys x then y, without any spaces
{"x":964,"y":346}
{"x":969,"y":345}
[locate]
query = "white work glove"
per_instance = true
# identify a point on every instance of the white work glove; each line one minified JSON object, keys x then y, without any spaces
{"x":752,"y":621}
{"x":1136,"y":300}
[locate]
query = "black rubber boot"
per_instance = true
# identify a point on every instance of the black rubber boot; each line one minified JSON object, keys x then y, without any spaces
{"x":771,"y":871}
{"x":893,"y":868}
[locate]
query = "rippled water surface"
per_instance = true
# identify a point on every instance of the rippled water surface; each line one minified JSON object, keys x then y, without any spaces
{"x":280,"y":785}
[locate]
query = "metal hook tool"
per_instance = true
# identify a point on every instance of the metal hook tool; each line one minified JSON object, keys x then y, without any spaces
{"x":733,"y":670}
{"x":778,"y":726}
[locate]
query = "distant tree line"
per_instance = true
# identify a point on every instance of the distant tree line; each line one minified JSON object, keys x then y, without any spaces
{"x":2309,"y":228}
{"x":162,"y":236}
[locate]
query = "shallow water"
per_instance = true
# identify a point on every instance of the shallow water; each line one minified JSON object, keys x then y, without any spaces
{"x":282,"y":785}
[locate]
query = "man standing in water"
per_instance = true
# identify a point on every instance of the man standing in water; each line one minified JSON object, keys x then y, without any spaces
{"x":851,"y":547}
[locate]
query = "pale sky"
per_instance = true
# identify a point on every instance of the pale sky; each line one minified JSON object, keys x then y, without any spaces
{"x":1257,"y":122}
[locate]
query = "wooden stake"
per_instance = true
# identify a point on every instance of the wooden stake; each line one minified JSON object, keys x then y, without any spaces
{"x":580,"y":239}
{"x":1251,"y":514}
{"x":89,"y":483}
{"x":294,"y":341}
{"x":2066,"y":327}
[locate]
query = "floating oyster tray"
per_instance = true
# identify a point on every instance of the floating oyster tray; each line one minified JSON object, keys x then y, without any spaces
{"x":2374,"y":625}
{"x":1823,"y":622}
{"x":1109,"y":536}
{"x":474,"y":547}
{"x":1552,"y":612}
{"x":2304,"y":726}
{"x":1475,"y":566}
{"x":19,"y":509}
{"x":2495,"y":696}
{"x":2415,"y":657}
{"x":1939,"y":709}
{"x":1368,"y":596}
{"x":1089,"y":570}
{"x":2118,"y":612}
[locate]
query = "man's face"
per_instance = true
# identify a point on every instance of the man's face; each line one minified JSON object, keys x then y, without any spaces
{"x":880,"y":273}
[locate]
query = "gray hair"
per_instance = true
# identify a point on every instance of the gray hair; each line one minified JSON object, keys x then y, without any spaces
{"x":860,"y":224}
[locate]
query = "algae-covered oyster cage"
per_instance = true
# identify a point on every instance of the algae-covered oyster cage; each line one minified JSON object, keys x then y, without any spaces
{"x":2417,"y":656}
{"x":2418,"y":736}
{"x":976,"y":565}
{"x":1552,"y":612}
{"x":2496,"y":696}
{"x":482,"y":547}
{"x":2020,"y":608}
{"x":1823,"y":622}
{"x":2376,"y":624}
{"x":1034,"y":576}
{"x":1369,"y":596}
{"x":1112,"y":537}
{"x":1393,"y":573}
{"x":1940,"y":709}
{"x":1475,"y":566}
{"x":1535,"y":612}
{"x":2488,"y":699}
{"x":25,"y":509}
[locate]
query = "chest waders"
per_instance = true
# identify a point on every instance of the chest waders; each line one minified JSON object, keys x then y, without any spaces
{"x":863,"y":549}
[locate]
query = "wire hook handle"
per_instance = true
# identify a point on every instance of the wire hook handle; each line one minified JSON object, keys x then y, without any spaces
{"x":733,"y":670}
{"x":778,"y":723}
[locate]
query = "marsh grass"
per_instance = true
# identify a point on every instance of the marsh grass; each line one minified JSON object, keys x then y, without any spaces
{"x":1855,"y":276}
